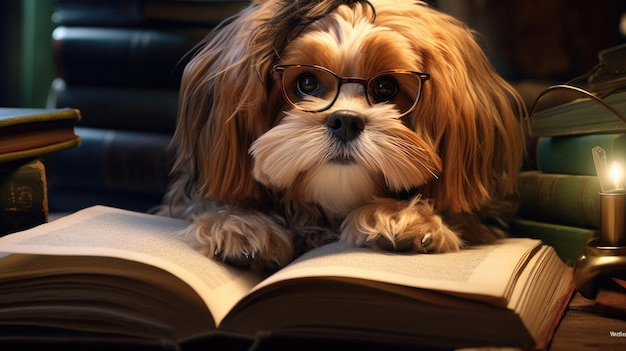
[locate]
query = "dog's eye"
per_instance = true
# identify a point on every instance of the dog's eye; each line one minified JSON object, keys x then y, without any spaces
{"x":307,"y":84}
{"x":384,"y":89}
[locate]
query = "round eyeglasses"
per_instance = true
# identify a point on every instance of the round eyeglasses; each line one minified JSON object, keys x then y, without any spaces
{"x":313,"y":88}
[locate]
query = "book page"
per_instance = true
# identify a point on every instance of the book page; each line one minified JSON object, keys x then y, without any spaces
{"x":150,"y":239}
{"x":544,"y":282}
{"x":489,"y":270}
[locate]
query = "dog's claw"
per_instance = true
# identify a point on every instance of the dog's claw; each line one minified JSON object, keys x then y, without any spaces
{"x":427,"y":240}
{"x":245,"y":253}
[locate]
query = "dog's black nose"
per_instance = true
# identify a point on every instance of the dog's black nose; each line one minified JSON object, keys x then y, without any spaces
{"x":345,"y":124}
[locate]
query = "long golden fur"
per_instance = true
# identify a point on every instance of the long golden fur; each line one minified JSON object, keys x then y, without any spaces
{"x":257,"y":177}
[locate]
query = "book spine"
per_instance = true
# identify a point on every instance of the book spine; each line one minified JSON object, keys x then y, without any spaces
{"x":130,"y":108}
{"x":113,"y":160}
{"x":569,"y":242}
{"x":23,"y":196}
{"x":560,"y":198}
{"x":123,"y":56}
{"x":572,"y":154}
{"x":105,"y":13}
{"x":206,"y":13}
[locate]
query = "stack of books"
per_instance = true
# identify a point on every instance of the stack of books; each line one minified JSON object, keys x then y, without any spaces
{"x":26,"y":134}
{"x":120,"y":62}
{"x":559,"y":200}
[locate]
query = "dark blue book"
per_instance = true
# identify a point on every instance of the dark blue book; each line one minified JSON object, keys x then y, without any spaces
{"x":123,"y":56}
{"x":128,"y":108}
{"x":140,"y":12}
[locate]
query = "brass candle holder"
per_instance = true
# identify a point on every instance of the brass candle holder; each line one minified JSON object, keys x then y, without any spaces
{"x":604,"y":257}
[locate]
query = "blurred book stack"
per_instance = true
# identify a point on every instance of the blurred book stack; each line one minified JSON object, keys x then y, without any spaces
{"x":120,"y":62}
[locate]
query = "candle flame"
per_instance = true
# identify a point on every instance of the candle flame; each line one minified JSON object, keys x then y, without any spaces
{"x":611,"y":178}
{"x":617,"y":175}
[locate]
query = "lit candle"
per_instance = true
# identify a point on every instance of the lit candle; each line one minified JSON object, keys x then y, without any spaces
{"x":612,"y":200}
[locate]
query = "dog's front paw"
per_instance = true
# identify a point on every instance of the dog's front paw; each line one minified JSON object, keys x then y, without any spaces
{"x":246,"y":239}
{"x":408,"y":226}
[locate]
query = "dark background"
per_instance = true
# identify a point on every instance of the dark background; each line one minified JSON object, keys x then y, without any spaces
{"x":535,"y":40}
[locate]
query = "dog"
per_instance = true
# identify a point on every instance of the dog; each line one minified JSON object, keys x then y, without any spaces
{"x":378,"y":123}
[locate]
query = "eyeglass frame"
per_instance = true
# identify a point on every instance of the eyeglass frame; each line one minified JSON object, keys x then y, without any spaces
{"x":423,"y":77}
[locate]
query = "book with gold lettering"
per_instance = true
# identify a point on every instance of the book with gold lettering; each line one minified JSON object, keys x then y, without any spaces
{"x":23,"y":196}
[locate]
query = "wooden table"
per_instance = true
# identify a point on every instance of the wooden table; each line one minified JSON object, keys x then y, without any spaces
{"x":584,"y":328}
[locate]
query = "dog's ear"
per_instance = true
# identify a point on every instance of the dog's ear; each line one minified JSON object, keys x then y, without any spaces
{"x":223,"y":108}
{"x":470,"y":114}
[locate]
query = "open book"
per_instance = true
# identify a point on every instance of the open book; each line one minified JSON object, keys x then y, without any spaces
{"x":112,"y":271}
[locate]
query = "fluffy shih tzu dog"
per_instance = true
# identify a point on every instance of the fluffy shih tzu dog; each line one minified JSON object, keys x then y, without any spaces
{"x":377,"y":123}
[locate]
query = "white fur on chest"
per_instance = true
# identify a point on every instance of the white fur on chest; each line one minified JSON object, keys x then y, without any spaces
{"x":339,"y":188}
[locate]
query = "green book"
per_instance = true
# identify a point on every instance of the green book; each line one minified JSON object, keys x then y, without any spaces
{"x":572,"y":154}
{"x":560,"y":198}
{"x":28,"y":132}
{"x":569,"y":242}
{"x":23,"y":196}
